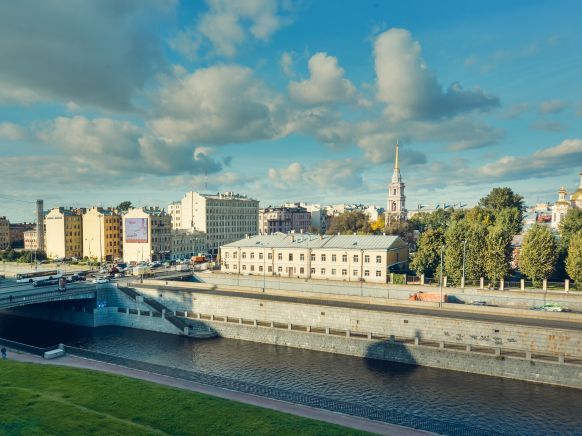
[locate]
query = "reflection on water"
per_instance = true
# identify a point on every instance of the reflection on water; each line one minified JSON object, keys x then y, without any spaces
{"x":489,"y":403}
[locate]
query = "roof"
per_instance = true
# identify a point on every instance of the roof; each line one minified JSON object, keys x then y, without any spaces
{"x":304,"y":240}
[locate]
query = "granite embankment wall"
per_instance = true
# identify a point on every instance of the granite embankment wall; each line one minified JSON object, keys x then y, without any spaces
{"x":507,"y":298}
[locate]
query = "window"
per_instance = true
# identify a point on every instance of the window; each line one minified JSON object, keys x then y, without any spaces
{"x":261,"y":256}
{"x":252,"y":267}
{"x":333,"y":272}
{"x":280,"y":256}
{"x":290,"y":257}
{"x":355,"y":273}
{"x":312,"y":270}
{"x":367,"y":273}
{"x":244,"y":255}
{"x":252,"y":255}
{"x":356,"y":258}
{"x":302,"y":257}
{"x":279,"y":269}
{"x":226,"y":255}
{"x":333,"y":258}
{"x":260,"y":268}
{"x":313,"y":257}
{"x":322,"y":271}
{"x":367,"y":258}
{"x":323,"y":257}
{"x":344,"y":272}
{"x":301,"y":270}
{"x":270,"y":268}
{"x":270,"y":256}
{"x":344,"y":257}
{"x":378,"y":259}
{"x":378,"y":273}
{"x":244,"y":267}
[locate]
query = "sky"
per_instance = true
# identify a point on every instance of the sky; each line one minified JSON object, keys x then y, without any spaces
{"x":287,"y":100}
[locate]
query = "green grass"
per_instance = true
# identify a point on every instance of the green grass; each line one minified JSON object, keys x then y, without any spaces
{"x":50,"y":400}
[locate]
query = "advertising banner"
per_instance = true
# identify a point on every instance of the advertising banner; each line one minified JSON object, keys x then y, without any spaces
{"x":136,"y":230}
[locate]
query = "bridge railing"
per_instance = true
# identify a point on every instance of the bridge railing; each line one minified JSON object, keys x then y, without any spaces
{"x":19,"y":300}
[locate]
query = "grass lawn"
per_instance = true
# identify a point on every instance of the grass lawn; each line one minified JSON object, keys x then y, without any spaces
{"x":42,"y":399}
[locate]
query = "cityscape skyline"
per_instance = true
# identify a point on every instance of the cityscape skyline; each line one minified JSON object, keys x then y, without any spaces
{"x":284,"y":101}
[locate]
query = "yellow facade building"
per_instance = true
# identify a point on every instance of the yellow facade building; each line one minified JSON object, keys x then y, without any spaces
{"x":102,"y":234}
{"x":64,"y":233}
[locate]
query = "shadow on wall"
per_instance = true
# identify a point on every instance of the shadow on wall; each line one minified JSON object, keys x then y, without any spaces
{"x":201,"y":330}
{"x":381,"y":351}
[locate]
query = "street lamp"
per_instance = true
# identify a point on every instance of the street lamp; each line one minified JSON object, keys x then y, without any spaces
{"x":464,"y":250}
{"x":441,"y":278}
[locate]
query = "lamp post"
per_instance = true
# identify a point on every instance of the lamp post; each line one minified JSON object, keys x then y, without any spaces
{"x":464,"y":250}
{"x":441,"y":278}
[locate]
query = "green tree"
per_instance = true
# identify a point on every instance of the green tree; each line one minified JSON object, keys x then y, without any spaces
{"x":569,"y":226}
{"x":574,"y":259}
{"x":427,"y":257}
{"x":347,"y":223}
{"x":511,"y":219}
{"x":124,"y":206}
{"x":498,"y":253}
{"x":455,"y":236}
{"x":438,"y":219}
{"x":476,"y":249}
{"x":537,"y":259}
{"x":502,"y":198}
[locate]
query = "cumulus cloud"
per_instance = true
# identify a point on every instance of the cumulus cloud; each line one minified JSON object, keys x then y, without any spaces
{"x":112,"y":55}
{"x":11,"y":131}
{"x":227,"y":24}
{"x":215,"y":105}
{"x":552,"y":106}
{"x":411,"y":90}
{"x":326,"y":83}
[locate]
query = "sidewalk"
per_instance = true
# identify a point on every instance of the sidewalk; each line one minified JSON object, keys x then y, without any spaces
{"x":267,"y":403}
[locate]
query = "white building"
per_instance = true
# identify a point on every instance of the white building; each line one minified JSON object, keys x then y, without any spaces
{"x":320,"y":217}
{"x":224,"y":217}
{"x":146,"y":234}
{"x":64,"y":233}
{"x":187,"y":243}
{"x":561,"y":207}
{"x":396,"y":206}
{"x":283,"y":219}
{"x":175,"y":211}
{"x":326,"y":257}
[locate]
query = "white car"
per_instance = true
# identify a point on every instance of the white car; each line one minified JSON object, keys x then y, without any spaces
{"x":100,"y":280}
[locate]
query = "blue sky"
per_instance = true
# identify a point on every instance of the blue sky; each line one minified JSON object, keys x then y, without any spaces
{"x":286,"y":100}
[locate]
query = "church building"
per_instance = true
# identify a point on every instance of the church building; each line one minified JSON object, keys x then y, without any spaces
{"x":396,"y":207}
{"x":560,"y":208}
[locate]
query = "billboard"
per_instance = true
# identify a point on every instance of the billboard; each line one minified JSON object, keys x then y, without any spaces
{"x":136,"y":230}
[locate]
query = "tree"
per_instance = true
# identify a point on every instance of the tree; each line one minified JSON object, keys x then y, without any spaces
{"x":379,"y":224}
{"x":356,"y":221}
{"x":574,"y":259}
{"x":502,"y":198}
{"x":439,"y":219}
{"x":511,"y":219}
{"x":427,"y":257}
{"x":537,"y":259}
{"x":569,"y":226}
{"x":124,"y":206}
{"x":455,"y":236}
{"x":498,"y":253}
{"x":476,"y":248}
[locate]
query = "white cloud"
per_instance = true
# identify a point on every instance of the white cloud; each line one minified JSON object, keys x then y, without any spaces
{"x":411,"y":90}
{"x":548,"y":126}
{"x":515,"y":110}
{"x":215,"y":105}
{"x":552,"y":106}
{"x":286,"y":63}
{"x":326,"y":83}
{"x":11,"y":131}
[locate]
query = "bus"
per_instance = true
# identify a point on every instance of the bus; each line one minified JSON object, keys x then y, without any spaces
{"x":38,"y":275}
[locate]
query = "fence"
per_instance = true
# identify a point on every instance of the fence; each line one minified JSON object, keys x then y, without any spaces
{"x":393,"y":416}
{"x":37,"y":351}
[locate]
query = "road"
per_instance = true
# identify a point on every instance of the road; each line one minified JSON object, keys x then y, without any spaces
{"x":473,"y":316}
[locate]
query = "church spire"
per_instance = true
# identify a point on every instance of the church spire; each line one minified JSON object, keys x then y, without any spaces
{"x":396,"y":178}
{"x":396,"y":167}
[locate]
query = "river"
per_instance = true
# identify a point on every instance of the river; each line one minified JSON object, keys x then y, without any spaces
{"x":467,"y":403}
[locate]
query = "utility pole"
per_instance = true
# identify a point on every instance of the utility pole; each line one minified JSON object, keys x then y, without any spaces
{"x":441,"y":278}
{"x":464,"y":250}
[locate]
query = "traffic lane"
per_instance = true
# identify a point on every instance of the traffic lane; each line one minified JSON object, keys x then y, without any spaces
{"x":472,"y":316}
{"x":26,"y":289}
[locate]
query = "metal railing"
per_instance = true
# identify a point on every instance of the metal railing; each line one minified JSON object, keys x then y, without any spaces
{"x":37,"y":351}
{"x":43,"y":297}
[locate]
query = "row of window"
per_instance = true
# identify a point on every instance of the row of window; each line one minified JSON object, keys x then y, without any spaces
{"x":290,"y":257}
{"x":292,"y":270}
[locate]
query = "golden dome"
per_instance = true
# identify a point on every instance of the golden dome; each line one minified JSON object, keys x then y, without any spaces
{"x":577,"y":196}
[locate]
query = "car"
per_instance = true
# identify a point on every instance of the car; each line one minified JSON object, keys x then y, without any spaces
{"x":47,"y":282}
{"x":100,"y":280}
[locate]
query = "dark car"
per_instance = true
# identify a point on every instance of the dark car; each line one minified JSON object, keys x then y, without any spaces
{"x":47,"y":282}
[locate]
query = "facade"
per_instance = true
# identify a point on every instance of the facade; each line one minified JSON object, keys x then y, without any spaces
{"x":102,"y":234}
{"x":396,"y":206}
{"x":224,"y":217}
{"x":4,"y":233}
{"x":64,"y":233}
{"x":187,"y":243}
{"x":356,"y":258}
{"x":175,"y":211}
{"x":561,"y":207}
{"x":30,"y":240}
{"x":17,"y":233}
{"x":320,"y":217}
{"x":283,"y":219}
{"x":146,"y":234}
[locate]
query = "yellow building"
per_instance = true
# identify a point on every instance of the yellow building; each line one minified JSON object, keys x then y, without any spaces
{"x":64,"y":233}
{"x":102,"y":234}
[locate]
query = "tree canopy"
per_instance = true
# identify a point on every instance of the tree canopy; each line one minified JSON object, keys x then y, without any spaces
{"x":124,"y":206}
{"x":538,"y":255}
{"x":574,"y":259}
{"x":502,"y":198}
{"x":350,"y":222}
{"x":570,"y":225}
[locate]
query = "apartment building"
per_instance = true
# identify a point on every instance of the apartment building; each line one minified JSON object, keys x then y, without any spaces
{"x":17,"y":233}
{"x":175,"y":211}
{"x":186,"y":243}
{"x":224,"y":217}
{"x":283,"y":219}
{"x":146,"y":234}
{"x":357,"y":258}
{"x":102,"y":234}
{"x":64,"y":233}
{"x":4,"y":233}
{"x":320,"y":217}
{"x":31,"y":240}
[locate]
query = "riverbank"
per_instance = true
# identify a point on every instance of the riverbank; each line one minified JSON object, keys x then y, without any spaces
{"x":107,"y":402}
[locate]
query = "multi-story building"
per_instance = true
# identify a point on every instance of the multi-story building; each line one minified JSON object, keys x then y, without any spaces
{"x":224,"y":217}
{"x":64,"y":233}
{"x":320,"y":217}
{"x":102,"y":234}
{"x":4,"y":233}
{"x":175,"y":211}
{"x":17,"y":233}
{"x":283,"y":219}
{"x":31,"y":240}
{"x":146,"y":234}
{"x":561,"y":207}
{"x":328,"y":257}
{"x":186,"y":243}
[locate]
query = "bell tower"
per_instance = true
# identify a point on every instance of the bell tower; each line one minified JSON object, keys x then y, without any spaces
{"x":396,"y":206}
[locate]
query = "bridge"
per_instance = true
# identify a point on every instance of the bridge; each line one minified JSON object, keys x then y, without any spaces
{"x":16,"y":294}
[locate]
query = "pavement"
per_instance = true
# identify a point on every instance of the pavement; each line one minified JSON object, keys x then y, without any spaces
{"x":353,"y":422}
{"x":457,"y":314}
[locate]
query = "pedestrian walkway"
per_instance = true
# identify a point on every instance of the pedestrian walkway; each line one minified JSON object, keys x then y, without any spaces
{"x":268,"y":403}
